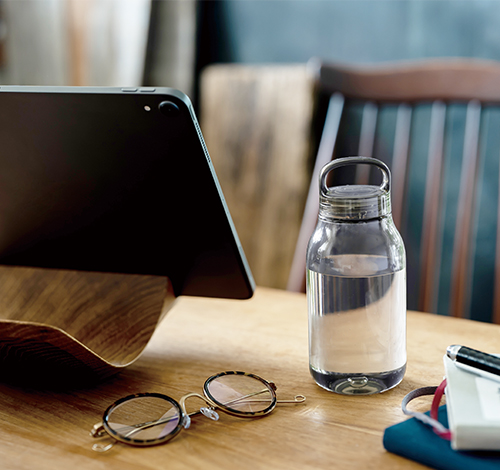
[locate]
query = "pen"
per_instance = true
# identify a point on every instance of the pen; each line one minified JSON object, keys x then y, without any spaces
{"x":477,"y":362}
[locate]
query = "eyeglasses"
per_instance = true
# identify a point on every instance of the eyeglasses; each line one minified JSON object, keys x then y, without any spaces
{"x":148,"y":419}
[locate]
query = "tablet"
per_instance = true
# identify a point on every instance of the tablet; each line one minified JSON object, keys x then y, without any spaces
{"x":115,"y":180}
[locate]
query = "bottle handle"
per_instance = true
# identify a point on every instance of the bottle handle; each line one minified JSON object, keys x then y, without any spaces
{"x":338,"y":162}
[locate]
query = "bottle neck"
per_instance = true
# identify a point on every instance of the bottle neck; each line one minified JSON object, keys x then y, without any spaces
{"x":349,"y":211}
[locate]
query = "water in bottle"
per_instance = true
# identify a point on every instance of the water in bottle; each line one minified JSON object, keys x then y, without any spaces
{"x":356,"y":287}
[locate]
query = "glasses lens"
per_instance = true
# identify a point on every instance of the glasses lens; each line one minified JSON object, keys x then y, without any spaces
{"x":240,"y":393}
{"x":144,"y":419}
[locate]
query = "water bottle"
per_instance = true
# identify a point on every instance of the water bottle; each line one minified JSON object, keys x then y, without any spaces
{"x":356,"y":287}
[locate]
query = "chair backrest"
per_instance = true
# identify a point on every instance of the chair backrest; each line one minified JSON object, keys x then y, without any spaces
{"x":436,"y":124}
{"x":256,"y":120}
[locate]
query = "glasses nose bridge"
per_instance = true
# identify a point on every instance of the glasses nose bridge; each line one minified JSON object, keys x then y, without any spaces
{"x":182,"y":401}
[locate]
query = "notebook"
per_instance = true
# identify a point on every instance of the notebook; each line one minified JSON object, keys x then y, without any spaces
{"x":473,"y":409}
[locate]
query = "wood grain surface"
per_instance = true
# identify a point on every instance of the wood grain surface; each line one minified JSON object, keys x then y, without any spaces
{"x":69,"y":320}
{"x":267,"y":335}
{"x":256,"y":120}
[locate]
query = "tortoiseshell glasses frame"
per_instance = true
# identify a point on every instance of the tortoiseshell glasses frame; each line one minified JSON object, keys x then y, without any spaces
{"x":147,"y":419}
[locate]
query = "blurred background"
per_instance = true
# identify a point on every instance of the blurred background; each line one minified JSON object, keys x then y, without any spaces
{"x":168,"y":42}
{"x":257,"y":109}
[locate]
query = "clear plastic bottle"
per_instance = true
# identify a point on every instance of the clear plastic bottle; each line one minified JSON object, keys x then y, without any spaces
{"x":356,"y":288}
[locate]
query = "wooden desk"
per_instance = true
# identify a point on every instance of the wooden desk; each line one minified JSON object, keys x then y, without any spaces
{"x":266,"y":335}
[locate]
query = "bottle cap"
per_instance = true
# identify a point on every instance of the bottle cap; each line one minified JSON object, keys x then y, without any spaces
{"x":355,"y":202}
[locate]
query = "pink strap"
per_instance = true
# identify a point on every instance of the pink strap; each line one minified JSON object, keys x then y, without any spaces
{"x":434,"y":409}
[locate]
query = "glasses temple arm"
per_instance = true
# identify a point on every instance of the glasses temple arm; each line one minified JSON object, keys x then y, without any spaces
{"x":296,"y":399}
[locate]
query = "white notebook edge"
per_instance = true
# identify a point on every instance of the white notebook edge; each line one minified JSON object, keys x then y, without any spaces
{"x":473,"y":408}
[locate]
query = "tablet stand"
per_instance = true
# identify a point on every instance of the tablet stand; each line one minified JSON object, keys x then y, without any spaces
{"x":83,"y":322}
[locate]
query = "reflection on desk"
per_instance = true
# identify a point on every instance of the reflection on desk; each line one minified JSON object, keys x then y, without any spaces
{"x":266,"y":335}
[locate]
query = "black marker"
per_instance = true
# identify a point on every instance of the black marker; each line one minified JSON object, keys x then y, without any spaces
{"x":474,"y":361}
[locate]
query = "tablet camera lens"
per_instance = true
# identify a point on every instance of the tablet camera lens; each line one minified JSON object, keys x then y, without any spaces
{"x":168,"y":108}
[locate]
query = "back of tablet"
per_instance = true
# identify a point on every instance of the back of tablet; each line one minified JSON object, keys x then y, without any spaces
{"x":114,"y":180}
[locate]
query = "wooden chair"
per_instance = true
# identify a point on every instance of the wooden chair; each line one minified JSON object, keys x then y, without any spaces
{"x":435,"y":123}
{"x":256,"y":120}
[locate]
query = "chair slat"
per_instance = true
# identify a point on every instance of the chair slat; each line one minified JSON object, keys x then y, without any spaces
{"x":366,"y":140}
{"x":496,"y":298}
{"x":460,"y":288}
{"x":296,"y":281}
{"x":429,"y":274}
{"x":400,"y":161}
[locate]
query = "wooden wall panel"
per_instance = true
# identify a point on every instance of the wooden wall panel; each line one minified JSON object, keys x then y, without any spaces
{"x":257,"y":122}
